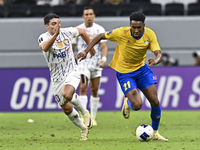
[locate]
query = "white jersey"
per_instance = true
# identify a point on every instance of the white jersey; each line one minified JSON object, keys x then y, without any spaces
{"x":60,"y":57}
{"x":81,"y":45}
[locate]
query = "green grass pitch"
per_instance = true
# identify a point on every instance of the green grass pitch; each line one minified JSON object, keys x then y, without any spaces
{"x":54,"y":131}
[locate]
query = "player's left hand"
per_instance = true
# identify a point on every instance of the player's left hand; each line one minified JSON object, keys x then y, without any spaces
{"x":102,"y":63}
{"x":151,"y":61}
{"x":82,"y":55}
{"x":92,"y":52}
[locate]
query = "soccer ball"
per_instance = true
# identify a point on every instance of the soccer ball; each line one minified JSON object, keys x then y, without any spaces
{"x":144,"y":132}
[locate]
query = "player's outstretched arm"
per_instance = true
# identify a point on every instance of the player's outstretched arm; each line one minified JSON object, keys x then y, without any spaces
{"x":157,"y":60}
{"x":84,"y":35}
{"x":86,"y":38}
{"x":104,"y":54}
{"x":96,"y":40}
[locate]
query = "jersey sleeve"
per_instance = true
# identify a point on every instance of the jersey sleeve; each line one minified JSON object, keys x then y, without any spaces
{"x":42,"y":38}
{"x":76,"y":34}
{"x":153,"y":42}
{"x":113,"y":35}
{"x":102,"y":30}
{"x":74,"y":40}
{"x":73,"y":31}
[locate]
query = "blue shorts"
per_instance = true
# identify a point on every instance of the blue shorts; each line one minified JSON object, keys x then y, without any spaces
{"x":141,"y":79}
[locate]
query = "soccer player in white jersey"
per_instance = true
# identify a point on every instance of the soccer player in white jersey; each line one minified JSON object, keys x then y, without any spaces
{"x":56,"y":45}
{"x":91,"y":68}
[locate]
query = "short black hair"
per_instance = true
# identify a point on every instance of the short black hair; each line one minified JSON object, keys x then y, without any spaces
{"x":87,"y":7}
{"x":196,"y":54}
{"x":137,"y":16}
{"x":49,"y":16}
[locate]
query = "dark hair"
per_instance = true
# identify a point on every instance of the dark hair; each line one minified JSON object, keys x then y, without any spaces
{"x":49,"y":16}
{"x":137,"y":16}
{"x":87,"y":7}
{"x":196,"y":54}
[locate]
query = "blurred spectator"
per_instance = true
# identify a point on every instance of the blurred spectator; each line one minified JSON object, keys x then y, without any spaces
{"x":51,"y":2}
{"x":96,"y":2}
{"x":23,"y":2}
{"x":83,"y":2}
{"x":43,"y":2}
{"x":5,"y":2}
{"x":2,"y":2}
{"x":196,"y":58}
{"x":162,"y":2}
{"x":168,"y":60}
{"x":114,"y":2}
{"x":67,"y":2}
{"x":185,"y":2}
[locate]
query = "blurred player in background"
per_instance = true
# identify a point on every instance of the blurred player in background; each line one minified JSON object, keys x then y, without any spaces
{"x":91,"y":68}
{"x":196,"y":58}
{"x":57,"y":50}
{"x":132,"y":71}
{"x":168,"y":60}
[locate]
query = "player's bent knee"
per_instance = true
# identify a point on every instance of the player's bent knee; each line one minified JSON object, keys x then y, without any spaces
{"x":67,"y":96}
{"x":94,"y":92}
{"x":137,"y":107}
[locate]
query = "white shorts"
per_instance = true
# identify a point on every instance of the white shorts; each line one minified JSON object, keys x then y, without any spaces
{"x":73,"y":79}
{"x":91,"y":73}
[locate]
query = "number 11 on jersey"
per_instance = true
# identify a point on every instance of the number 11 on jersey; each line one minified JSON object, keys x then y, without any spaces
{"x":127,"y":85}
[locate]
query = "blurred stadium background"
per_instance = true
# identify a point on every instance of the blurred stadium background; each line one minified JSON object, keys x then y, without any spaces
{"x":25,"y":83}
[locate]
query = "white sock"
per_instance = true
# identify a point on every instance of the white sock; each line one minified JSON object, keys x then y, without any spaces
{"x":76,"y":120}
{"x":94,"y":103}
{"x":77,"y":103}
{"x":84,"y":100}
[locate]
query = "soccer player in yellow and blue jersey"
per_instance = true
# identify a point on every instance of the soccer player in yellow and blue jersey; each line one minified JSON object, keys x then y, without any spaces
{"x":131,"y":70}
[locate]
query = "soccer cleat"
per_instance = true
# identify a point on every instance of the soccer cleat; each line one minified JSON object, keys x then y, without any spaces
{"x":87,"y":119}
{"x":125,"y":109}
{"x":84,"y":134}
{"x":94,"y":122}
{"x":157,"y":136}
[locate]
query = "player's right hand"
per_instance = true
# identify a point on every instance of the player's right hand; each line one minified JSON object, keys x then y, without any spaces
{"x":92,"y":52}
{"x":82,"y":55}
{"x":57,"y":27}
{"x":102,"y":64}
{"x":151,"y":61}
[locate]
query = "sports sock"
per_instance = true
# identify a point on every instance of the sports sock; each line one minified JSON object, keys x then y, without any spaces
{"x":155,"y":116}
{"x":75,"y":119}
{"x":94,"y":102}
{"x":77,"y":103}
{"x":129,"y":104}
{"x":84,"y":100}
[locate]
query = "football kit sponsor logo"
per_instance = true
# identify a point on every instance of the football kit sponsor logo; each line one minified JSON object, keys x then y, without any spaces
{"x":66,"y":41}
{"x":60,"y":45}
{"x":146,"y":42}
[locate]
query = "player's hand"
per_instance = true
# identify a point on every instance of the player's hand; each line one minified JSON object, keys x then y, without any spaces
{"x":102,"y":64}
{"x":151,"y":61}
{"x":57,"y":27}
{"x":92,"y":52}
{"x":82,"y":55}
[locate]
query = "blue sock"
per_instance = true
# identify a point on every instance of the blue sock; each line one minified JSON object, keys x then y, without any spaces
{"x":129,"y":104}
{"x":155,"y":116}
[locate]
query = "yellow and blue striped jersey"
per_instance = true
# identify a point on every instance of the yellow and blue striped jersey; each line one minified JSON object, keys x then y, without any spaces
{"x":130,"y":53}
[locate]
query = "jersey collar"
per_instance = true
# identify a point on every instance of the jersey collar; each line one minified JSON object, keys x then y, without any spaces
{"x":135,"y":37}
